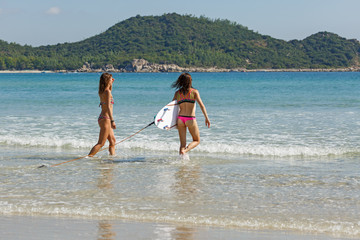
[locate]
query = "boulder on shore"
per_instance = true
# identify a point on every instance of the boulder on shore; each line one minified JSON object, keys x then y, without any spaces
{"x":142,"y":65}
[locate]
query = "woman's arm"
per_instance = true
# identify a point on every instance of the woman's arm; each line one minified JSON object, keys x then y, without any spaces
{"x":203,"y":109}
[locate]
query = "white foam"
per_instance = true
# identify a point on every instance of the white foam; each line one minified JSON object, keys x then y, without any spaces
{"x":273,"y":150}
{"x":144,"y":144}
{"x":42,"y":141}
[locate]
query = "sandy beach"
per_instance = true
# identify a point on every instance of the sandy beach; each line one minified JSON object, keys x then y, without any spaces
{"x":31,"y":228}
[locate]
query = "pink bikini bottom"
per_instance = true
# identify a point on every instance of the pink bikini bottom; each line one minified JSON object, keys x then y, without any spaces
{"x":101,"y":117}
{"x":184,"y":119}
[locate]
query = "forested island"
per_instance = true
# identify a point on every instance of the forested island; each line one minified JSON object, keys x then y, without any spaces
{"x":182,"y":42}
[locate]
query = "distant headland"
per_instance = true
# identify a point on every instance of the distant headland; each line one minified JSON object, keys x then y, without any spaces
{"x":178,"y":43}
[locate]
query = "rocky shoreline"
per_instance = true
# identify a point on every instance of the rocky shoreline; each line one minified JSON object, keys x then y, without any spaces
{"x":143,"y":66}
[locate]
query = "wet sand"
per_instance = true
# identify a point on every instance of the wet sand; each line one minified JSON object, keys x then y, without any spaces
{"x":29,"y":228}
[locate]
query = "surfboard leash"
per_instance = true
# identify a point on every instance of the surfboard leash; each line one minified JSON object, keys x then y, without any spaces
{"x":123,"y":140}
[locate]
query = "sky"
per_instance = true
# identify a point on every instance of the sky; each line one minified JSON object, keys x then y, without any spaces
{"x":48,"y":22}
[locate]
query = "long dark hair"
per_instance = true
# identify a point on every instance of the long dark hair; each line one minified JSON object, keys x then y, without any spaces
{"x":105,"y":80}
{"x":183,"y":83}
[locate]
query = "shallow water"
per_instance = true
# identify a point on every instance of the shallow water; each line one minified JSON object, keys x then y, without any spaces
{"x":282,"y":152}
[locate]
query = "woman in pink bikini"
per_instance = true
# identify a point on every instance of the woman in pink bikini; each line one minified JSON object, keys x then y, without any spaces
{"x":105,"y":120}
{"x":186,"y":97}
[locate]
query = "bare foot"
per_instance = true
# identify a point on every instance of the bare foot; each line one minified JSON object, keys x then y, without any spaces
{"x":182,"y":151}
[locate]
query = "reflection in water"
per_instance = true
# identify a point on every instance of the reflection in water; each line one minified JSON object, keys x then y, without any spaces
{"x":105,"y":182}
{"x":183,"y":233}
{"x":105,"y":231}
{"x":185,"y":190}
{"x":187,"y":184}
{"x":184,"y":186}
{"x":167,"y":232}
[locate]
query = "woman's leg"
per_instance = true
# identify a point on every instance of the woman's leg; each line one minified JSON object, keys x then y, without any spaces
{"x":194,"y":131}
{"x":105,"y":128}
{"x":112,"y":141}
{"x":182,"y":135}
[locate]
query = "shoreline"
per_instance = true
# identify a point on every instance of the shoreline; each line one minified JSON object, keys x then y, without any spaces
{"x":210,"y":70}
{"x":41,"y":227}
{"x":144,"y":66}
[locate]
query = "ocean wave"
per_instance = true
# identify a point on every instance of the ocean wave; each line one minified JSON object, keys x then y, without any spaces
{"x":144,"y":144}
{"x":276,"y":150}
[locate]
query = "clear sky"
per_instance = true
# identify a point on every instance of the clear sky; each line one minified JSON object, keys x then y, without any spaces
{"x":43,"y":22}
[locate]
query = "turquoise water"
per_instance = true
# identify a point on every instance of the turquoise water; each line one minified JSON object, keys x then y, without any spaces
{"x":282,"y":152}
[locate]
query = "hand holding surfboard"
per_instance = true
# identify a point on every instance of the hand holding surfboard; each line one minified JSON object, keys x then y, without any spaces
{"x":167,"y":116}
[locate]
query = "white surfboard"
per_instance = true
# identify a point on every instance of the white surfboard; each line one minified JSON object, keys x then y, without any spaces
{"x":167,"y":116}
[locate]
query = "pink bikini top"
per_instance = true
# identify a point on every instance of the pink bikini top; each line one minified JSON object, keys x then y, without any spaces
{"x":102,"y":103}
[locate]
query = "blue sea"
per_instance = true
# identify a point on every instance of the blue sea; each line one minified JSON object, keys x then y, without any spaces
{"x":282,"y":153}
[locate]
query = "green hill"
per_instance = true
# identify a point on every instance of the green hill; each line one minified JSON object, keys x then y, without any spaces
{"x":186,"y":41}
